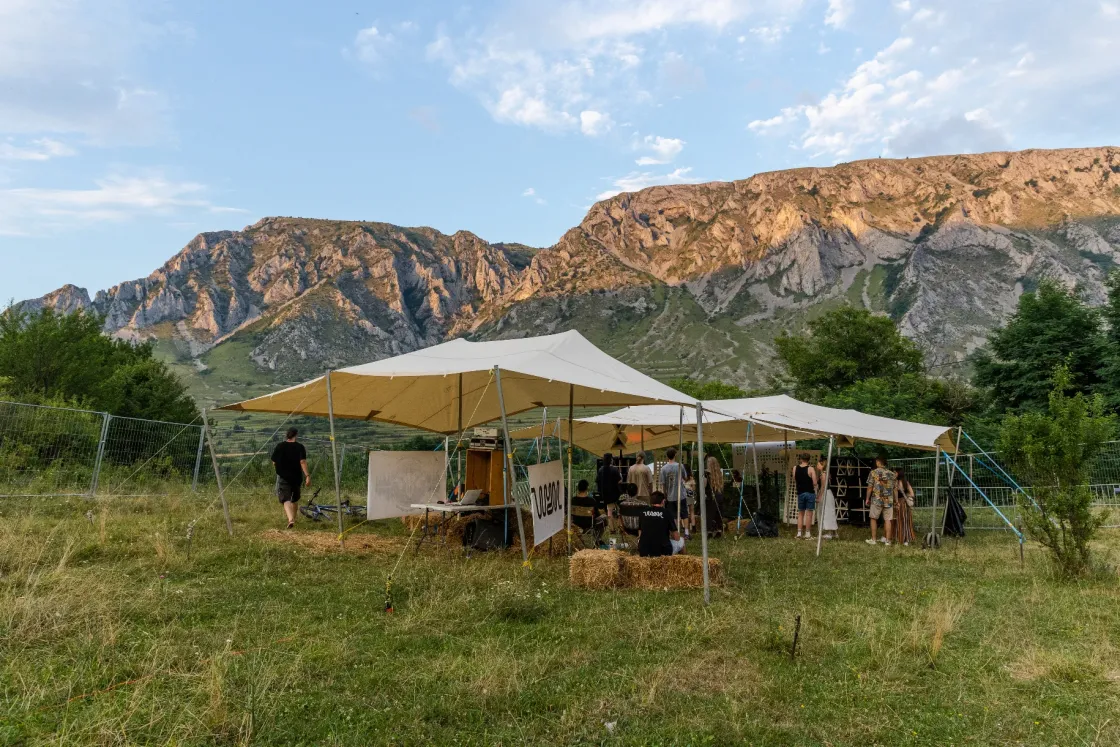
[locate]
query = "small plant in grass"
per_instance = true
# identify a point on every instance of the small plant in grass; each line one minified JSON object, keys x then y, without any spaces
{"x":1053,"y":451}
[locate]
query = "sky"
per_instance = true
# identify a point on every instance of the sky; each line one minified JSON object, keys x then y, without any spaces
{"x":129,"y":126}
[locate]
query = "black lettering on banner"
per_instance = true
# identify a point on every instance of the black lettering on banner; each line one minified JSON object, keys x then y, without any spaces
{"x":546,"y":499}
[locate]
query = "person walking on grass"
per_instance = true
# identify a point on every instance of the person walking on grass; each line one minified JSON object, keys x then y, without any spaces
{"x":290,"y":460}
{"x":881,"y":486}
{"x":805,"y":481}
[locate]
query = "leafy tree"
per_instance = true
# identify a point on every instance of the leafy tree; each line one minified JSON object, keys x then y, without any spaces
{"x":1110,"y":370}
{"x":1051,"y":327}
{"x":52,"y":358}
{"x":712,"y":389}
{"x":844,"y":347}
{"x":1053,"y":451}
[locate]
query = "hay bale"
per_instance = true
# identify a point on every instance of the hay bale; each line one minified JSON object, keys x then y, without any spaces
{"x":597,"y":569}
{"x":672,"y":572}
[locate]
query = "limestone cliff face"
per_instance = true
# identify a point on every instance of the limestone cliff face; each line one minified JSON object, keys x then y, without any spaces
{"x":944,"y":244}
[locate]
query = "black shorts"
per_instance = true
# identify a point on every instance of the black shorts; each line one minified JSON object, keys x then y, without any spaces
{"x":287,"y":492}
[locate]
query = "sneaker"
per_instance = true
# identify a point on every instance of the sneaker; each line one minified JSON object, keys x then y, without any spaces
{"x":888,"y":544}
{"x":906,"y":544}
{"x":870,"y":541}
{"x":828,"y":536}
{"x":884,"y":540}
{"x":799,"y":535}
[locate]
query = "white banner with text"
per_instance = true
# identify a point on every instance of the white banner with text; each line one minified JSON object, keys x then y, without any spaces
{"x":546,"y":499}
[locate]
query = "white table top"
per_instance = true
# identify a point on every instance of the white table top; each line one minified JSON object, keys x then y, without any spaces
{"x":453,"y":508}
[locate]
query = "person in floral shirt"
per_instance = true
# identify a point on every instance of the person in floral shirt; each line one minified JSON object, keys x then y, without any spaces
{"x":881,"y":485}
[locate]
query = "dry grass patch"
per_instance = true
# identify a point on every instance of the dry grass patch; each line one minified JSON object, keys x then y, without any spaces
{"x":322,"y":543}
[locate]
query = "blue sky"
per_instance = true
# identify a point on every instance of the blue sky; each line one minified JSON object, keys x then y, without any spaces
{"x":129,"y":126}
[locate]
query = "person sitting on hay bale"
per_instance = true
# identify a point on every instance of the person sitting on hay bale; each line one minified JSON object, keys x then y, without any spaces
{"x":658,"y":535}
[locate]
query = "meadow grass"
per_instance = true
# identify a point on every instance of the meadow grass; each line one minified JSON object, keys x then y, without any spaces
{"x":109,"y":634}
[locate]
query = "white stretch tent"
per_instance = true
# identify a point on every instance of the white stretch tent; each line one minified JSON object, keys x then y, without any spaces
{"x":449,"y":387}
{"x":848,"y":426}
{"x":633,"y":429}
{"x":458,"y":384}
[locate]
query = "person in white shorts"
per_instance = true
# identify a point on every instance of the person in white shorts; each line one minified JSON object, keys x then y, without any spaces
{"x":881,"y":485}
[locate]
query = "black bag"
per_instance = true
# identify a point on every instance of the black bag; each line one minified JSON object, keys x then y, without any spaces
{"x":760,"y":527}
{"x":484,"y":534}
{"x":955,"y":518}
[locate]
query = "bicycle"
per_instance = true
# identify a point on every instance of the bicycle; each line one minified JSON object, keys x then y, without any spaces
{"x":321,"y":511}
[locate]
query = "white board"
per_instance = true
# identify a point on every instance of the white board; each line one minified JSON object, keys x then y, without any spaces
{"x":546,"y":499}
{"x":398,"y":479}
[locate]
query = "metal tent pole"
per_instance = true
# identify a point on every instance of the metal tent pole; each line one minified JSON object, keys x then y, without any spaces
{"x":334,"y":457}
{"x":933,"y":539}
{"x":571,"y":412}
{"x":757,"y":483}
{"x":459,"y":442}
{"x":824,"y":494}
{"x":544,"y":424}
{"x":742,"y":483}
{"x":217,"y":472}
{"x":507,"y":466}
{"x":680,"y":471}
{"x":703,"y":500}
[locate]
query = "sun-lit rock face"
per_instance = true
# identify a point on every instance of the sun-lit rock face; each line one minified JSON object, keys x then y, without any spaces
{"x":943,"y":244}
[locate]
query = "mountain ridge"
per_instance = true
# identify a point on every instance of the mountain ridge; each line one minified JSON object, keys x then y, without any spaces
{"x":945,"y":244}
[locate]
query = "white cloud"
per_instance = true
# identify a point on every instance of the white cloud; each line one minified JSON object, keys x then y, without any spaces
{"x":543,"y":65}
{"x":116,"y":198}
{"x":771,"y":34}
{"x":1003,"y":80}
{"x":662,"y":149}
{"x":372,"y":45}
{"x":902,"y":5}
{"x":593,"y":123}
{"x":532,"y":194}
{"x":1110,"y":10}
{"x":75,"y":66}
{"x":638,"y":180}
{"x":838,"y":13}
{"x":42,"y":149}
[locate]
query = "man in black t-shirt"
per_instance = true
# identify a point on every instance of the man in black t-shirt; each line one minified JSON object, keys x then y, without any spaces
{"x":290,"y":459}
{"x":658,"y":533}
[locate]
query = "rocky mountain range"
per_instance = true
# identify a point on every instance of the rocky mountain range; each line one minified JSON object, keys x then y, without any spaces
{"x":677,"y":279}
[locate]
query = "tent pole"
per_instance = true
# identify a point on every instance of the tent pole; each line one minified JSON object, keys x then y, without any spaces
{"x":334,"y":458}
{"x":544,"y":423}
{"x":217,"y":472}
{"x":742,"y":483}
{"x":757,"y":484}
{"x":703,"y":499}
{"x":571,"y":413}
{"x":507,"y":467}
{"x":459,"y":442}
{"x":936,"y":475}
{"x":447,"y":462}
{"x":824,"y":495}
{"x":680,"y":470}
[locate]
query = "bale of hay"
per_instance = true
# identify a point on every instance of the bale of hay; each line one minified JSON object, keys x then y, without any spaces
{"x":597,"y":569}
{"x":671,"y":572}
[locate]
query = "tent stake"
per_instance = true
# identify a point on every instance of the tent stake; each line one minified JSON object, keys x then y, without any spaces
{"x":824,"y":495}
{"x":702,"y":498}
{"x":217,"y":472}
{"x":507,"y":467}
{"x":334,"y":458}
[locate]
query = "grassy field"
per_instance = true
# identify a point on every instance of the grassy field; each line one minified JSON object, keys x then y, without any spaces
{"x":110,"y":634}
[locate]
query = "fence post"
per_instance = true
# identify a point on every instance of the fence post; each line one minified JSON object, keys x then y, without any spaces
{"x":105,"y":418}
{"x":198,"y":459}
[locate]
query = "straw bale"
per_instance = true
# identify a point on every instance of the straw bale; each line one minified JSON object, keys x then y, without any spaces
{"x":597,"y":569}
{"x":672,"y":572}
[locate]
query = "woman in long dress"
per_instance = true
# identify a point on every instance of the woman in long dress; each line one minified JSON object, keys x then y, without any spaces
{"x":903,"y":509}
{"x":826,"y":500}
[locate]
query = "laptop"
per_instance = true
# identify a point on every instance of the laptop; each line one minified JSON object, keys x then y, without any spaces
{"x":470,"y":498}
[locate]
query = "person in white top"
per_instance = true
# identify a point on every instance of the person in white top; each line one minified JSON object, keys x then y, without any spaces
{"x":826,"y":500}
{"x":642,"y":477}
